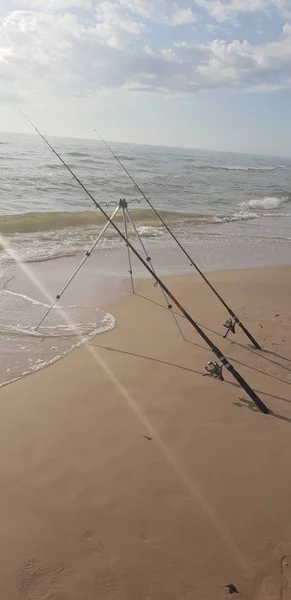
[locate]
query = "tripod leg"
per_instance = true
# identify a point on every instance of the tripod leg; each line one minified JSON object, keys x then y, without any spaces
{"x":149,"y":260}
{"x":88,"y":253}
{"x":128,"y":251}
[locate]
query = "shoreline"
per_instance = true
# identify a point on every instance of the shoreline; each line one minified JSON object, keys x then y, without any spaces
{"x":126,"y":474}
{"x":108,"y":307}
{"x":225,"y":246}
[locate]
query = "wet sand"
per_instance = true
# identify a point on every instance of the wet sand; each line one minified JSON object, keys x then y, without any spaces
{"x":126,"y":474}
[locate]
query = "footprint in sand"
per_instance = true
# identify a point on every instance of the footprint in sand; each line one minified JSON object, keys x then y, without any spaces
{"x":30,"y":572}
{"x":277,"y":586}
{"x":270,"y":588}
{"x":286,"y":575}
{"x":38,"y":584}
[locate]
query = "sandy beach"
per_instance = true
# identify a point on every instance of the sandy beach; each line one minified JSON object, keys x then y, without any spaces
{"x":127,"y":475}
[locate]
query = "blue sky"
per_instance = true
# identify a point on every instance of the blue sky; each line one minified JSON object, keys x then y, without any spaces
{"x":198,"y":73}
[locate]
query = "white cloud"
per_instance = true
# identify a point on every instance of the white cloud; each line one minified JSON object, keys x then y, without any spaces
{"x":224,"y":11}
{"x":261,"y":67}
{"x":113,"y":22}
{"x":167,"y":12}
{"x":283,"y":7}
{"x":59,"y":55}
{"x":183,"y":16}
{"x":53,"y":5}
{"x":144,"y":8}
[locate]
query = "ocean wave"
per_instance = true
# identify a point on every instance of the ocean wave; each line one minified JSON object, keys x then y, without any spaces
{"x":45,"y":221}
{"x":52,"y":251}
{"x":267,"y":203}
{"x":260,"y":168}
{"x":44,"y":236}
{"x":248,"y":216}
{"x":54,"y":167}
{"x":89,"y":161}
{"x":240,"y":216}
{"x":147,"y":231}
{"x":50,"y":223}
{"x":125,"y":157}
{"x":79,"y":154}
{"x":52,"y":254}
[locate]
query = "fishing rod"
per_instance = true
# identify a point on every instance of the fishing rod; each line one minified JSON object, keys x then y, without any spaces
{"x":229,"y":323}
{"x":212,"y":368}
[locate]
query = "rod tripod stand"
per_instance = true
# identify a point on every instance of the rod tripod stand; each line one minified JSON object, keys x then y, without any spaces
{"x":127,"y":220}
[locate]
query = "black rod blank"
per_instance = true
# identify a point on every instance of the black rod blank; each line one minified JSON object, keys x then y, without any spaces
{"x":192,"y":263}
{"x":240,"y":380}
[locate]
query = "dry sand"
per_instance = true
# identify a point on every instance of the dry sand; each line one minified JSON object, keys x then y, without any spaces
{"x":125,"y":474}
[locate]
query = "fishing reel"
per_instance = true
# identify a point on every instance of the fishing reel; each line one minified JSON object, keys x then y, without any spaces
{"x":229,"y":324}
{"x":214,"y":370}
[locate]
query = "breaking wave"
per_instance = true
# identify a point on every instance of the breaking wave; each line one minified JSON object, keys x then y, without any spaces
{"x":53,"y":221}
{"x":257,"y":208}
{"x":146,"y":231}
{"x":44,"y":236}
{"x":45,"y":221}
{"x":246,"y":216}
{"x":267,"y":203}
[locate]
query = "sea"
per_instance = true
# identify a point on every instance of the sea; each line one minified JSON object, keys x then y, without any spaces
{"x":229,"y":210}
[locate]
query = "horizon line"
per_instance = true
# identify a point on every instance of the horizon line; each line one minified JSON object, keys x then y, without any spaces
{"x":155,"y":145}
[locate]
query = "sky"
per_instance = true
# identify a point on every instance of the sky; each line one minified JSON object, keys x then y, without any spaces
{"x":212,"y":74}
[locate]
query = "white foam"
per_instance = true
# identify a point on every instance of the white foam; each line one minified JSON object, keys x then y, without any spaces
{"x":146,"y":231}
{"x":27,"y":298}
{"x":108,"y":323}
{"x":38,"y":302}
{"x":249,"y":168}
{"x":20,"y":329}
{"x":248,"y":215}
{"x":49,"y":331}
{"x":240,"y":216}
{"x":267,"y":203}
